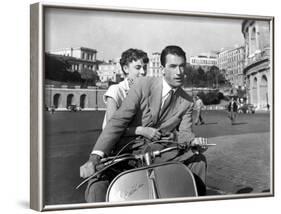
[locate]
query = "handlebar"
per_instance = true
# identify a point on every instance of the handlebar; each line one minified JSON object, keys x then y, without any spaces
{"x":108,"y":162}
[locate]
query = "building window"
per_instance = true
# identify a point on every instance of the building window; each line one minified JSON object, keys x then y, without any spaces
{"x":253,"y":41}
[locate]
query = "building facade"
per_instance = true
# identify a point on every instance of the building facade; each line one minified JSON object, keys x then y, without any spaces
{"x":110,"y":72}
{"x":205,"y":61}
{"x":154,"y":66}
{"x":60,"y":98}
{"x":231,"y":63}
{"x":257,"y":69}
{"x":79,"y":58}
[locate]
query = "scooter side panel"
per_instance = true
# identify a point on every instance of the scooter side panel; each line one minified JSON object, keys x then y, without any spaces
{"x":129,"y":187}
{"x":175,"y":180}
{"x":170,"y":179}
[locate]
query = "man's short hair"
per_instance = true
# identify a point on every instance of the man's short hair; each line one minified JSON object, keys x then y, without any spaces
{"x":172,"y":49}
{"x":131,"y":55}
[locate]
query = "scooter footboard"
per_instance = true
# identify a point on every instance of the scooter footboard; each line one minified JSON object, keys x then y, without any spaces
{"x":165,"y":180}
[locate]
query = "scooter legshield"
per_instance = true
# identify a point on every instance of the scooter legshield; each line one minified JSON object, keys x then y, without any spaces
{"x":165,"y":180}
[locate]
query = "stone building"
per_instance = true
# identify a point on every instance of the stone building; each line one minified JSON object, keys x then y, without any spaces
{"x":80,"y":58}
{"x":154,"y":66}
{"x":205,"y":61}
{"x":258,"y":70}
{"x":62,"y":97}
{"x":231,"y":61}
{"x":110,"y":71}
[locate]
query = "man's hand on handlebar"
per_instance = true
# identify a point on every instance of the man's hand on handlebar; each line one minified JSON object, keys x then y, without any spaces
{"x":89,"y":168}
{"x":199,"y":144}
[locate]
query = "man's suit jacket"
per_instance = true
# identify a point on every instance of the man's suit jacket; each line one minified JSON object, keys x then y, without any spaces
{"x":141,"y":108}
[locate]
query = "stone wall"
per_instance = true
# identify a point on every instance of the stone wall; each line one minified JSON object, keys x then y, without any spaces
{"x":86,"y":98}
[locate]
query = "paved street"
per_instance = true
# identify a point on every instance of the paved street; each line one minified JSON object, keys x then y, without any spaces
{"x":239,"y":163}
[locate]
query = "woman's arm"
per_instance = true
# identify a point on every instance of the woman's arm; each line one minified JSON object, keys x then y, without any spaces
{"x":148,"y":132}
{"x":111,"y":107}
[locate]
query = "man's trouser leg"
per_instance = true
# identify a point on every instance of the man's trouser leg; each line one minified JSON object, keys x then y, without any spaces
{"x":96,"y":190}
{"x":200,"y":117}
{"x":234,"y":116}
{"x":199,"y":168}
{"x":197,"y":117}
{"x":231,"y":116}
{"x":97,"y":187}
{"x":197,"y":163}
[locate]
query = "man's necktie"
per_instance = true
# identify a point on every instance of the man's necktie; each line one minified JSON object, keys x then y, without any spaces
{"x":167,"y":102}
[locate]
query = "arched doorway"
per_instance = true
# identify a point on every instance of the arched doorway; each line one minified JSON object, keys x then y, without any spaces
{"x":263,"y":92}
{"x":83,"y":101}
{"x":69,"y":100}
{"x":255,"y":92}
{"x":57,"y":100}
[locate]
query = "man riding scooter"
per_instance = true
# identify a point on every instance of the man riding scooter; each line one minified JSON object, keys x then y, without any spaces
{"x":160,"y":104}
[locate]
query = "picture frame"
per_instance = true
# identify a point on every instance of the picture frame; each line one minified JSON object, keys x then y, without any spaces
{"x":43,"y":159}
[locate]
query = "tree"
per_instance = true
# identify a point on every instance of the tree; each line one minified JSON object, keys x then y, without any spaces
{"x":201,"y":76}
{"x":89,"y":76}
{"x":188,"y":76}
{"x":221,"y":78}
{"x":241,"y":92}
{"x":56,"y":68}
{"x":214,"y":73}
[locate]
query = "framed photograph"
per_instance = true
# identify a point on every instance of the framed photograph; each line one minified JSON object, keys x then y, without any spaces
{"x":139,"y":106}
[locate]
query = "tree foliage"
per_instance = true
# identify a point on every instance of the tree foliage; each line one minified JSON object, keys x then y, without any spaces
{"x":210,"y":98}
{"x":58,"y":68}
{"x":197,"y":77}
{"x":89,"y":77}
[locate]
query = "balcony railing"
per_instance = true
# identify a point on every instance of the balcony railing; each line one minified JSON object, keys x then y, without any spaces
{"x":265,"y":53}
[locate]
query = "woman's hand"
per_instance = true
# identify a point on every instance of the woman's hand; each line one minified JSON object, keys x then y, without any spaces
{"x":168,"y":136}
{"x":148,"y":132}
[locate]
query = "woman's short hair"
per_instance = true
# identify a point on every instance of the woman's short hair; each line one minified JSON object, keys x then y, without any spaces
{"x":172,"y":49}
{"x":131,"y":55}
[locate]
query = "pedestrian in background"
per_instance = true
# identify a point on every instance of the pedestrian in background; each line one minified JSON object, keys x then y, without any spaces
{"x":232,"y":109}
{"x":198,"y":106}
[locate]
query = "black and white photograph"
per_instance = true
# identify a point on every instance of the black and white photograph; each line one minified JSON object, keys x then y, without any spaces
{"x":154,"y":106}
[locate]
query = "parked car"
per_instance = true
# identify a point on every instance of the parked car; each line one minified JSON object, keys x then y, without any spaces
{"x":52,"y":109}
{"x":246,"y":109}
{"x":72,"y":108}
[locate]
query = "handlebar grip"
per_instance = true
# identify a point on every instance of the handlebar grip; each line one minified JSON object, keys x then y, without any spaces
{"x":100,"y":166}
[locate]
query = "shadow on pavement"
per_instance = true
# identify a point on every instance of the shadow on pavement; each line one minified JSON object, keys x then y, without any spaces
{"x":213,"y":191}
{"x":210,"y":123}
{"x":234,"y":124}
{"x":245,"y":190}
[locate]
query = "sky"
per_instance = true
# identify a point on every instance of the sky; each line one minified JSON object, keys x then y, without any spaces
{"x":111,"y":33}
